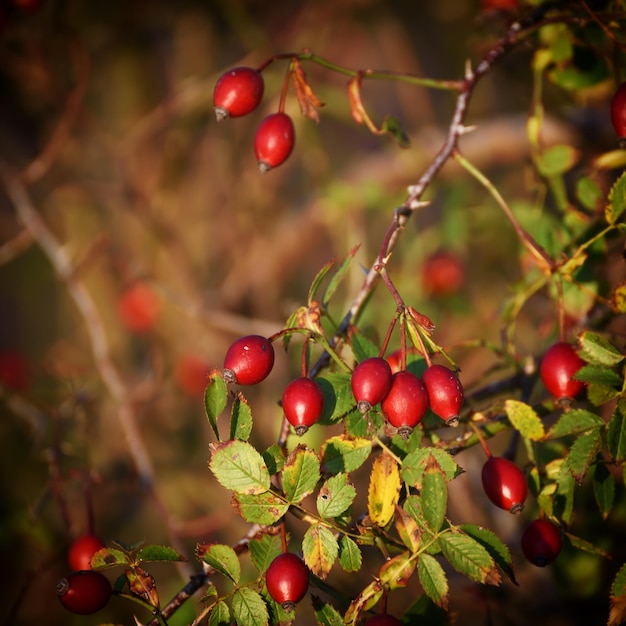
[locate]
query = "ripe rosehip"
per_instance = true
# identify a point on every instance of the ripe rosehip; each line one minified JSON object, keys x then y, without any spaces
{"x":303,"y":403}
{"x":81,"y":551}
{"x":84,"y":592}
{"x":618,"y":111}
{"x":560,"y":363}
{"x":274,"y":141}
{"x":237,"y":92}
{"x":395,"y":358}
{"x":505,"y":484}
{"x":371,"y":381}
{"x":249,"y":360}
{"x":443,"y":273}
{"x":445,"y":393}
{"x":383,"y":620}
{"x":406,"y":403}
{"x":139,"y":308}
{"x":541,"y":542}
{"x":287,"y":580}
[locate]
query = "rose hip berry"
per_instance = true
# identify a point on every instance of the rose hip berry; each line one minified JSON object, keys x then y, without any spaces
{"x":274,"y":141}
{"x":249,"y":360}
{"x":237,"y":92}
{"x":287,"y":580}
{"x":560,"y":363}
{"x":618,"y":112}
{"x":445,"y":393}
{"x":371,"y":381}
{"x":84,"y":592}
{"x":383,"y":620}
{"x":303,"y":403}
{"x":406,"y":403}
{"x":81,"y":551}
{"x":505,"y":484}
{"x":541,"y":542}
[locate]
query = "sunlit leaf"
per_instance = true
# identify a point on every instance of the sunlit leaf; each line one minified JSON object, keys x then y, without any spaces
{"x":574,"y":422}
{"x":240,"y":418}
{"x":599,"y":375}
{"x":338,"y":398}
{"x":408,"y":529}
{"x":524,"y":419}
{"x":248,"y":607}
{"x":350,"y":557}
{"x":215,"y":399}
{"x":326,"y":614}
{"x":221,"y":558}
{"x":159,"y":553}
{"x":434,"y":494}
{"x":384,"y":489}
{"x":220,"y":614}
{"x":109,"y":557}
{"x":263,"y":508}
{"x":396,"y":572}
{"x":414,"y":464}
{"x":494,"y":545}
{"x":469,"y":558}
{"x":598,"y":350}
{"x":335,"y":496}
{"x":320,"y":549}
{"x":344,"y":454}
{"x":300,"y":474}
{"x":433,"y":580}
{"x":582,"y":453}
{"x":239,"y":467}
{"x":264,"y":549}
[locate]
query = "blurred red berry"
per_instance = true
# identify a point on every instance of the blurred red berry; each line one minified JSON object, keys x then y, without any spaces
{"x":191,"y":372}
{"x":443,"y":273}
{"x":139,"y":308}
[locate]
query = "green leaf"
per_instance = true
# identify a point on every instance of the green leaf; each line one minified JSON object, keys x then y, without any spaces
{"x":220,"y":614}
{"x":263,"y":550}
{"x":350,"y":557}
{"x":600,"y":375}
{"x":300,"y":474}
{"x":414,"y":464}
{"x":239,"y":467}
{"x":363,"y":426}
{"x":362,"y":347}
{"x":240,"y":418}
{"x":524,"y":419}
{"x":617,"y":200}
{"x":109,"y":557}
{"x":274,"y":458}
{"x":249,"y":608}
{"x":597,"y":350}
{"x":494,"y":545}
{"x":599,"y":395}
{"x":392,"y":126}
{"x":616,"y":433}
{"x":434,"y":494}
{"x":339,"y":275}
{"x":587,"y":546}
{"x":221,"y":558}
{"x":470,"y":558}
{"x":557,"y":160}
{"x":159,"y":553}
{"x":588,"y":193}
{"x":618,"y":587}
{"x":317,"y":281}
{"x":264,"y":508}
{"x":433,"y":580}
{"x":574,"y":422}
{"x":563,"y":500}
{"x":582,"y":453}
{"x":344,"y":454}
{"x":396,"y":572}
{"x":335,"y":496}
{"x":338,"y":399}
{"x":603,"y":489}
{"x":326,"y":614}
{"x":320,"y":549}
{"x":408,"y":529}
{"x":215,"y":399}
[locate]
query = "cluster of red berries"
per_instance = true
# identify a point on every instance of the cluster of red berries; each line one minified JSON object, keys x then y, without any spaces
{"x":239,"y":91}
{"x":84,"y":591}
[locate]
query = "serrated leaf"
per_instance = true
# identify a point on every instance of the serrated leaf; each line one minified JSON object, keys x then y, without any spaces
{"x":300,"y":474}
{"x":524,"y":419}
{"x":263,"y":508}
{"x":320,"y":549}
{"x":274,"y":458}
{"x":616,"y":433}
{"x":220,"y":614}
{"x":603,"y":489}
{"x":338,"y":398}
{"x":414,"y":464}
{"x":239,"y":467}
{"x":362,"y":347}
{"x":221,"y":558}
{"x":361,"y":426}
{"x":344,"y":454}
{"x":159,"y":553}
{"x":470,"y":558}
{"x":142,"y":584}
{"x":433,"y":580}
{"x":248,"y":607}
{"x":368,"y":598}
{"x":263,"y":550}
{"x":617,"y":614}
{"x":335,"y":496}
{"x":494,"y":545}
{"x":587,"y":546}
{"x":109,"y":557}
{"x":599,"y":394}
{"x":395,"y":572}
{"x":408,"y":529}
{"x":240,"y":418}
{"x":326,"y":614}
{"x":557,"y":160}
{"x":338,"y":276}
{"x":384,"y":489}
{"x":600,"y":375}
{"x":617,"y":200}
{"x":598,"y":350}
{"x":215,"y":399}
{"x":574,"y":422}
{"x":434,"y":494}
{"x":350,"y":557}
{"x":582,"y":453}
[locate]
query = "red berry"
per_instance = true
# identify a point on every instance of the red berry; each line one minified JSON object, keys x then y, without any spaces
{"x":287,"y":580}
{"x":443,"y":273}
{"x":248,"y":360}
{"x":541,"y":542}
{"x":445,"y":393}
{"x":139,"y":308}
{"x":237,"y":92}
{"x":383,"y":620}
{"x":395,"y":358}
{"x":191,"y":374}
{"x":81,"y":551}
{"x":303,"y":403}
{"x":505,"y":484}
{"x":406,"y":403}
{"x":371,"y":381}
{"x":84,"y":592}
{"x":559,"y":364}
{"x":618,"y":111}
{"x":274,"y":141}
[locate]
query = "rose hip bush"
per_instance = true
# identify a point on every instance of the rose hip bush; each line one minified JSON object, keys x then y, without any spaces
{"x":439,"y":411}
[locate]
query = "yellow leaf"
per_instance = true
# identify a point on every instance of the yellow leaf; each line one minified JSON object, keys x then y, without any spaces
{"x":384,"y":489}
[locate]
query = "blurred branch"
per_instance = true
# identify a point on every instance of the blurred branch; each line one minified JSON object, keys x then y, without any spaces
{"x":15,"y":246}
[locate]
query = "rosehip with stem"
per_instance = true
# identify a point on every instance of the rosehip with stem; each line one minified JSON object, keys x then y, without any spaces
{"x":249,"y":360}
{"x":287,"y":580}
{"x":371,"y":381}
{"x":81,"y":551}
{"x":558,"y":366}
{"x":618,"y":112}
{"x":445,"y":393}
{"x":541,"y":542}
{"x":303,"y":403}
{"x":274,"y":141}
{"x":84,"y":592}
{"x":505,"y":484}
{"x":237,"y":92}
{"x":406,"y":403}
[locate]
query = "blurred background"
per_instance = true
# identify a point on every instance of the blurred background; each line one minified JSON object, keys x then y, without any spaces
{"x":177,"y":246}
